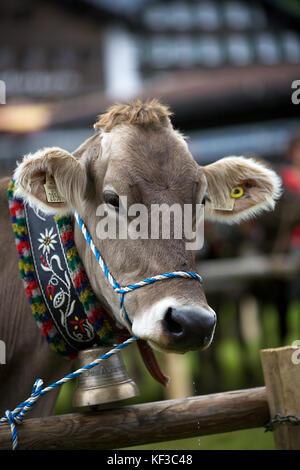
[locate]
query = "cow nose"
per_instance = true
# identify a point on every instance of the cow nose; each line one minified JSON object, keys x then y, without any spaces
{"x":189,"y":327}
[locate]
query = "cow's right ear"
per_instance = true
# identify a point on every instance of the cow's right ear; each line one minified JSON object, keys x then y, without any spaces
{"x":52,"y":179}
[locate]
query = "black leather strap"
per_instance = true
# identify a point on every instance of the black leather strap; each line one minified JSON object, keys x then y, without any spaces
{"x":55,"y":282}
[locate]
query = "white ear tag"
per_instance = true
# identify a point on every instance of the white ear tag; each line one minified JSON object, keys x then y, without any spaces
{"x":51,"y":190}
{"x":227,"y":205}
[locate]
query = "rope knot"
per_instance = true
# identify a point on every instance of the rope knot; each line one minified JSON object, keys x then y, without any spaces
{"x":16,"y":417}
{"x":12,"y":422}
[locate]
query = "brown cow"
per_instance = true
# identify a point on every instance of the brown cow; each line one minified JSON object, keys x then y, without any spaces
{"x":135,"y":152}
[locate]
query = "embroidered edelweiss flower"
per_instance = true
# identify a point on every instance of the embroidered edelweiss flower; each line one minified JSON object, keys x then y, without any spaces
{"x":47,"y":241}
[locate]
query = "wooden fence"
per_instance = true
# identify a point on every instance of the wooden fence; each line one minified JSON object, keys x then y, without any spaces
{"x":221,"y":274}
{"x":176,"y":419}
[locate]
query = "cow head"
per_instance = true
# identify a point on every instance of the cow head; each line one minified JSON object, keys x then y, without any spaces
{"x":137,"y":153}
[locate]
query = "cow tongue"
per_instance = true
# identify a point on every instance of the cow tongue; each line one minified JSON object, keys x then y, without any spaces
{"x":151,"y":363}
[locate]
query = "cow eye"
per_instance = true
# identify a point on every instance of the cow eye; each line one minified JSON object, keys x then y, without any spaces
{"x":112,"y":199}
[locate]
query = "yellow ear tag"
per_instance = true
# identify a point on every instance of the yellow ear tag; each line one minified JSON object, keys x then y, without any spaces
{"x":51,"y":190}
{"x":237,"y":192}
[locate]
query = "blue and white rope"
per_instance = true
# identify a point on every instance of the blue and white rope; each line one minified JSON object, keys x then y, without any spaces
{"x":14,"y":435}
{"x":122,"y":290}
{"x":17,"y":415}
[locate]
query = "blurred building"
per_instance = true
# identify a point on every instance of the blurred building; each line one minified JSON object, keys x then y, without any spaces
{"x":224,"y":66}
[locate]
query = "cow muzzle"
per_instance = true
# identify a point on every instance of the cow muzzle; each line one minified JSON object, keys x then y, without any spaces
{"x":189,"y":328}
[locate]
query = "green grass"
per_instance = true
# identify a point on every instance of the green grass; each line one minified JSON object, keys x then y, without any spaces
{"x":249,"y":439}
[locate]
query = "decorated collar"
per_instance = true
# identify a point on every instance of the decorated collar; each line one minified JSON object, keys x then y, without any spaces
{"x":61,"y":299}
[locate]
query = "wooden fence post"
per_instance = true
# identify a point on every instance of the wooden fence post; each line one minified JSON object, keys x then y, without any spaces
{"x":281,"y":367}
{"x":180,"y":385}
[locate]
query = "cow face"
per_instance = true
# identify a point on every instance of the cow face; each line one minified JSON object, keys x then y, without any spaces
{"x":136,"y":156}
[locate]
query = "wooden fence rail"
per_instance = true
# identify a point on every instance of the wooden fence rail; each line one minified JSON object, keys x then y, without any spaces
{"x":220,"y":274}
{"x":145,"y":423}
{"x":175,"y":419}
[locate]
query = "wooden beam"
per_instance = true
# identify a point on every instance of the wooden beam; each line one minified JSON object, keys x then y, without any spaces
{"x":282,"y":378}
{"x":145,"y":423}
{"x":224,"y":274}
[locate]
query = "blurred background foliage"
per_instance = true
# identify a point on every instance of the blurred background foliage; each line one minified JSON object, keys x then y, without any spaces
{"x":226,"y":68}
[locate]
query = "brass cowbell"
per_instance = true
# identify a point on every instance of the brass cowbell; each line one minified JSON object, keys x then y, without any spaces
{"x":105,"y":383}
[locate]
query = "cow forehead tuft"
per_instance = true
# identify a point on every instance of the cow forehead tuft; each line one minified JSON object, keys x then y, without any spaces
{"x":147,"y":113}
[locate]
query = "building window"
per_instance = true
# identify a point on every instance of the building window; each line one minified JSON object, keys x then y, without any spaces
{"x":183,"y":46}
{"x":210,"y":52}
{"x":267,"y":48}
{"x":163,"y":52}
{"x":207,"y":16}
{"x":291,"y":47}
{"x":156,"y":17}
{"x":237,"y":15}
{"x":180,"y":16}
{"x":238,"y":49}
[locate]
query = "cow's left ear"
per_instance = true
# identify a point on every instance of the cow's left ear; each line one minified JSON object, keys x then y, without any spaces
{"x":239,"y":188}
{"x":52,"y":179}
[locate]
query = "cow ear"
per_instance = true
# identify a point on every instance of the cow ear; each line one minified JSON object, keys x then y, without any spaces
{"x":239,"y":188}
{"x":52,"y":179}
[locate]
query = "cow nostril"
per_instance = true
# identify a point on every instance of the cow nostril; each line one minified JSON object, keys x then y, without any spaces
{"x":170,"y":324}
{"x":189,"y":327}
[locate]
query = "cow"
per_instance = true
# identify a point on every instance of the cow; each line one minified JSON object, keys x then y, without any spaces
{"x":134,"y":152}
